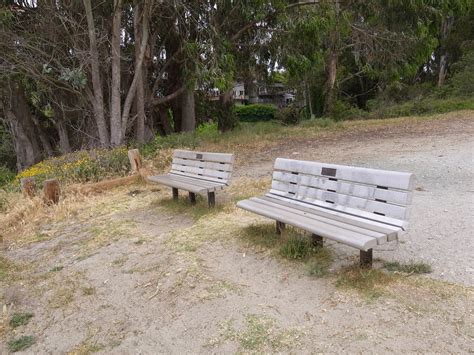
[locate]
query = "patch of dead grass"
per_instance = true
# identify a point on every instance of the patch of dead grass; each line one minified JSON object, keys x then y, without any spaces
{"x":259,"y":334}
{"x":370,"y":283}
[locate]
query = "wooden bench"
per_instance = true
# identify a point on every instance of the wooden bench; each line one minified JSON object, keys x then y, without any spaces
{"x":198,"y":173}
{"x":356,"y":206}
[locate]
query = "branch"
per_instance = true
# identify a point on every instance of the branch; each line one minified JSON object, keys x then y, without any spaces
{"x":161,"y":100}
{"x":303,"y":3}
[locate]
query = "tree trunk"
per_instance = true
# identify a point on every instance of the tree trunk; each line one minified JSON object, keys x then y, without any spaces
{"x":331,"y":65}
{"x":446,"y":27}
{"x":64,"y":144}
{"x":23,"y":129}
{"x":138,"y":76}
{"x":443,"y":69}
{"x":164,"y":120}
{"x":98,"y":97}
{"x":47,"y":147}
{"x":307,"y":96}
{"x":226,"y":119}
{"x":177,"y":110}
{"x":116,"y":137}
{"x":250,"y":89}
{"x":188,"y":112}
{"x":26,"y":153}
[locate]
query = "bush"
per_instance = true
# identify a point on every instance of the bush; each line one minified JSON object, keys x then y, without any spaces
{"x":21,"y":343}
{"x":19,"y":319}
{"x":296,"y":248}
{"x":289,"y":115}
{"x":6,"y":175}
{"x":256,"y":112}
{"x":462,"y":81}
{"x":81,"y":166}
{"x":172,"y":141}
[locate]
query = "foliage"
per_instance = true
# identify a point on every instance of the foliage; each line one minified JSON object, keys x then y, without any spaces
{"x":81,"y":166}
{"x":296,"y":248}
{"x":7,"y":153}
{"x":255,"y":112}
{"x":289,"y":115}
{"x":19,"y":319}
{"x":462,"y":81}
{"x":21,"y":343}
{"x":6,"y":175}
{"x":419,"y":106}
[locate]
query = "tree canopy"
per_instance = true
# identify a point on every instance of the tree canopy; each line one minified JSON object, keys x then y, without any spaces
{"x":82,"y":74}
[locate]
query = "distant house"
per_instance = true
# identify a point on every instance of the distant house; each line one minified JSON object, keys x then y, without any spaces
{"x":274,"y":94}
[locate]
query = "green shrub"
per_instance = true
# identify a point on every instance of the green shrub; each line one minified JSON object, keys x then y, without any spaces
{"x":176,"y":140}
{"x":21,"y":343}
{"x":344,"y":111}
{"x":6,"y":175}
{"x":81,"y":166}
{"x":289,"y":115}
{"x":19,"y":319}
{"x":255,"y":112}
{"x":462,"y":81}
{"x":296,"y":248}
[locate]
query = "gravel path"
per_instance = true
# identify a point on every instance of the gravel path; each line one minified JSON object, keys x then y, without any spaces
{"x":440,"y":154}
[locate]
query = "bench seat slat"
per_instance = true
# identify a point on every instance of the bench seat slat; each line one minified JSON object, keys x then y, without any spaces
{"x":381,"y":237}
{"x":351,"y":238}
{"x":390,"y":230}
{"x":390,"y":179}
{"x":201,"y":182}
{"x":189,"y":184}
{"x":199,"y":177}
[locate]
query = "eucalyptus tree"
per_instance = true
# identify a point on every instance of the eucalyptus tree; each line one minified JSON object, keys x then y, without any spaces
{"x":354,"y":39}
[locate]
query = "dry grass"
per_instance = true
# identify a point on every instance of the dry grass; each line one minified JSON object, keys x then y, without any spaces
{"x":259,"y":334}
{"x":371,"y":283}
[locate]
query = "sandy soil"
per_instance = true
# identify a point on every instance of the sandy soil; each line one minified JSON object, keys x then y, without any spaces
{"x":133,"y":273}
{"x":441,"y":155}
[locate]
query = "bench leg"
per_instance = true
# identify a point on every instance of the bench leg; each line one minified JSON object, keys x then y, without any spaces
{"x":317,"y":240}
{"x":192,"y":198}
{"x":366,"y":258}
{"x":175,"y":193}
{"x":280,"y":227}
{"x":211,"y":199}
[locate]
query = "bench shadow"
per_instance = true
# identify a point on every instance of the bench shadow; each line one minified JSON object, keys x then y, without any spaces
{"x":183,"y":206}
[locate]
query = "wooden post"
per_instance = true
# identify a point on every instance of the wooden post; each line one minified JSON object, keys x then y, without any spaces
{"x":280,"y":227}
{"x":175,"y":193}
{"x":317,"y":240}
{"x":28,"y":186}
{"x":135,"y":160}
{"x":211,"y":199}
{"x":192,"y":198}
{"x":366,"y":258}
{"x":51,"y":191}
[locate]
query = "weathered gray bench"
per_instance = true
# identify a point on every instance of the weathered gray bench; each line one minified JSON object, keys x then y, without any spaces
{"x":198,"y":173}
{"x":356,"y":206}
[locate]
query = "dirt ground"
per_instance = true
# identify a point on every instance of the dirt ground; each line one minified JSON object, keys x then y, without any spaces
{"x":132,"y":272}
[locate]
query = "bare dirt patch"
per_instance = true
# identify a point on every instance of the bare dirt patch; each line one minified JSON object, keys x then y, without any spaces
{"x":131,"y":271}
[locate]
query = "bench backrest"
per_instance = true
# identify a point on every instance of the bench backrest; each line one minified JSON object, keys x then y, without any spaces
{"x":377,"y":194}
{"x":215,"y":167}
